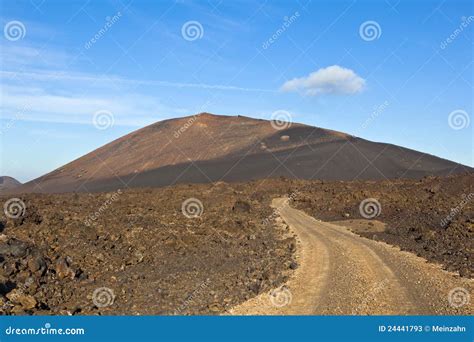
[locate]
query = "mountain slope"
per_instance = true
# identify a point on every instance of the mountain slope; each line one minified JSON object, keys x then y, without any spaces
{"x":206,"y":147}
{"x":8,"y":183}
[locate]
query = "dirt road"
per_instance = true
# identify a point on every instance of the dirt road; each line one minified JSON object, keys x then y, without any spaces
{"x":341,"y":273}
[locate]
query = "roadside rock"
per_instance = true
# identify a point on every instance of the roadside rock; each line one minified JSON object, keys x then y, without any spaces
{"x":26,"y":302}
{"x":63,"y":270}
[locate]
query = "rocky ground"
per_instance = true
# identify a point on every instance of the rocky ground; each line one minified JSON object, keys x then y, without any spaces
{"x":432,"y":217}
{"x":135,"y":252}
{"x":138,"y":251}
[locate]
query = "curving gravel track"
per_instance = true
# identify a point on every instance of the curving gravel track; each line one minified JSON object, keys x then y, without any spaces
{"x":342,"y":273}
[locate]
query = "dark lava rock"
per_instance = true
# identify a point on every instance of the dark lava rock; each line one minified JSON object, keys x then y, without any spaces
{"x":241,"y":207}
{"x":13,"y":247}
{"x":37,"y":264}
{"x":139,"y":255}
{"x":431,"y":220}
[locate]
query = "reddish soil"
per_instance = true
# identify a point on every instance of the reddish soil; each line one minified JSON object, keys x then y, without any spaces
{"x":207,"y":148}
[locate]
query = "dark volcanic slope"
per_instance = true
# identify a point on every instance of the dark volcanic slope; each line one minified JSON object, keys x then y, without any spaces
{"x":7,"y":183}
{"x":206,"y":147}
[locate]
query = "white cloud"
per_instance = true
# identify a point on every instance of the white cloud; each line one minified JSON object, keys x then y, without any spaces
{"x":331,"y":80}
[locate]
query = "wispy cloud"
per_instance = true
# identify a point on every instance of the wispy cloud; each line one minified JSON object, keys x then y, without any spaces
{"x":133,"y":110}
{"x":19,"y":57}
{"x":39,"y":80}
{"x":61,"y":75}
{"x":331,"y":80}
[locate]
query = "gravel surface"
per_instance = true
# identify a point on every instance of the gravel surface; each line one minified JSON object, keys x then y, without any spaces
{"x":342,"y":273}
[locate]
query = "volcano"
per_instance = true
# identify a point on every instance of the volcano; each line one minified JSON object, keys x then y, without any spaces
{"x":8,"y":183}
{"x":207,"y":148}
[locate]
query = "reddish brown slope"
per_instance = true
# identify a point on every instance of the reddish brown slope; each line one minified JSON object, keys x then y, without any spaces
{"x":8,"y":183}
{"x":206,"y":147}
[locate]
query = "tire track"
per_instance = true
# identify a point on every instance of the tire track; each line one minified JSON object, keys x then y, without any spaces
{"x":342,"y":273}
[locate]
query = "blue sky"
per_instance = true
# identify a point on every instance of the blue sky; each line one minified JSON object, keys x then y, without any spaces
{"x":396,"y":81}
